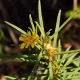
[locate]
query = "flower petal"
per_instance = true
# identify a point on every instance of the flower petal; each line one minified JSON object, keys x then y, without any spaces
{"x":22,"y":45}
{"x":29,"y":33}
{"x":21,"y":38}
{"x":27,"y":46}
{"x":37,"y":39}
{"x":28,"y":40}
{"x":32,"y":45}
{"x":34,"y":36}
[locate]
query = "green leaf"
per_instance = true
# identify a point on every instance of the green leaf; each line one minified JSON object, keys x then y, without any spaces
{"x":65,"y":55}
{"x":40,"y":18}
{"x":68,"y":73}
{"x":47,"y":33}
{"x":64,"y":24}
{"x":39,"y":27}
{"x":17,"y":56}
{"x":10,"y":77}
{"x":45,"y":72}
{"x":15,"y":27}
{"x":70,"y":12}
{"x":36,"y":64}
{"x":72,"y":51}
{"x":30,"y":30}
{"x":70,"y":58}
{"x":59,"y":44}
{"x":64,"y":58}
{"x":38,"y":46}
{"x":72,"y":68}
{"x":57,"y":27}
{"x":31,"y":21}
{"x":77,"y":63}
{"x":75,"y":70}
{"x":71,"y":62}
{"x":74,"y":77}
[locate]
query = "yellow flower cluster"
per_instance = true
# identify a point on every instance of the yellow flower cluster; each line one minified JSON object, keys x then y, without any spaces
{"x":29,"y":40}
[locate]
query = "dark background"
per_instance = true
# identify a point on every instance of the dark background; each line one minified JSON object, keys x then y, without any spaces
{"x":17,"y":12}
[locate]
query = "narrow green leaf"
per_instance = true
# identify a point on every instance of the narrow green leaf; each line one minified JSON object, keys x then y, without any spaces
{"x":64,"y":24}
{"x":39,"y":27}
{"x":65,"y":55}
{"x":35,"y":66}
{"x":15,"y":27}
{"x":64,"y":58}
{"x":68,"y":73}
{"x":59,"y":44}
{"x":27,"y":60}
{"x":23,"y":78}
{"x":39,"y":75}
{"x":76,"y":63}
{"x":72,"y":68}
{"x":45,"y":72}
{"x":39,"y":47}
{"x":10,"y":77}
{"x":30,"y":30}
{"x":17,"y":56}
{"x":70,"y":58}
{"x":74,"y":77}
{"x":75,"y":70}
{"x":72,"y":51}
{"x":31,"y":21}
{"x":57,"y":27}
{"x":71,"y":62}
{"x":40,"y":17}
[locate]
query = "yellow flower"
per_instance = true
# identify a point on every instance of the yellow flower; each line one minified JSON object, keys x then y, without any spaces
{"x":29,"y":40}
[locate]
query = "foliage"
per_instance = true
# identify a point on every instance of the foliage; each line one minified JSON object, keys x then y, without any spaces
{"x":57,"y":69}
{"x":70,"y":12}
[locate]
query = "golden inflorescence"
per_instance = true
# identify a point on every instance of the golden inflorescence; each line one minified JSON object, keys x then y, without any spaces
{"x":31,"y":40}
{"x":28,"y":40}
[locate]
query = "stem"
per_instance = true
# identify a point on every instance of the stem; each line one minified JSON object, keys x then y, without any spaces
{"x":74,"y":5}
